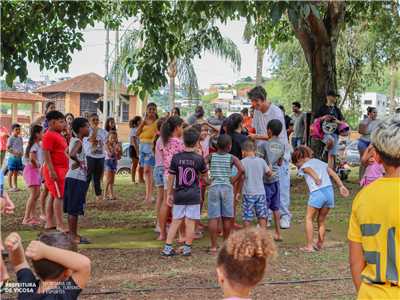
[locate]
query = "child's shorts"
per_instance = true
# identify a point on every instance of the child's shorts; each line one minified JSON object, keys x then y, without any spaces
{"x":14,"y":163}
{"x":334,"y":138}
{"x":146,"y":156}
{"x":52,"y":185}
{"x":110,"y":165}
{"x":32,"y":176}
{"x":323,"y":197}
{"x":186,"y":211}
{"x":253,"y":203}
{"x":272,"y":195}
{"x":220,"y":201}
{"x":158,"y":176}
{"x":75,"y":196}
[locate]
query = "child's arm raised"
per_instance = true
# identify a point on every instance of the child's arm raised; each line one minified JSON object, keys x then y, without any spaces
{"x":16,"y":251}
{"x":313,"y":174}
{"x":357,"y":262}
{"x":343,"y":190}
{"x":239,"y":167}
{"x":78,"y":263}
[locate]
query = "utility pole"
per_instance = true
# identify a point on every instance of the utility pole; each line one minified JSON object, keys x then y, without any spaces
{"x":117,"y":110}
{"x":106,"y":62}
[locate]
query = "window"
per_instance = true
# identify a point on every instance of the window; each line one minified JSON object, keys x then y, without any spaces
{"x":368,"y":102}
{"x":88,"y":103}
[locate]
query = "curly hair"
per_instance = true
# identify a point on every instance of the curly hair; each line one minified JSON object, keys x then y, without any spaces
{"x":301,"y":152}
{"x":244,"y":256}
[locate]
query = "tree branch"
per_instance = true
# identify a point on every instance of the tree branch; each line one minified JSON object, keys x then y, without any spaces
{"x":306,"y":42}
{"x":317,"y":27}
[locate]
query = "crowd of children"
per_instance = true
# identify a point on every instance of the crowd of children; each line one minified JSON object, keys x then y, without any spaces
{"x":190,"y":165}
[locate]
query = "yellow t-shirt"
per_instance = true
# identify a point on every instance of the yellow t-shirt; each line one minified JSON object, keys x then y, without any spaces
{"x":148,"y":133}
{"x":375,"y":223}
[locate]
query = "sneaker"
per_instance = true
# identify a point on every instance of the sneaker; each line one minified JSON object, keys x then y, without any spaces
{"x":285,"y":223}
{"x":187,"y":250}
{"x":168,"y":250}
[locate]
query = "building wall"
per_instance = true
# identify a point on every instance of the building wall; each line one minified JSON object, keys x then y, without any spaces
{"x":379,"y":101}
{"x":72,"y":103}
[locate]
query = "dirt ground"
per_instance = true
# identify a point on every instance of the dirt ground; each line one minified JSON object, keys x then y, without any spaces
{"x":126,"y":263}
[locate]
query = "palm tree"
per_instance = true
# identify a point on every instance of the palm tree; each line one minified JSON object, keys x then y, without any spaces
{"x":247,"y":36}
{"x":178,"y":67}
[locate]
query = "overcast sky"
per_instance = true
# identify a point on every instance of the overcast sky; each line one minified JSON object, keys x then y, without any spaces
{"x":210,"y":69}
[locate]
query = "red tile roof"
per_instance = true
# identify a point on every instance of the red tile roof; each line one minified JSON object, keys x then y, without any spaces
{"x":90,"y":83}
{"x":22,"y":96}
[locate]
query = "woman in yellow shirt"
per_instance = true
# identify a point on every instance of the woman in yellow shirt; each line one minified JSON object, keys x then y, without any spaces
{"x":374,"y":227}
{"x":146,"y":133}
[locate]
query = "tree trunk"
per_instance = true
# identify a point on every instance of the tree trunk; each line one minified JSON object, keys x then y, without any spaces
{"x":172,"y":75}
{"x":393,"y":87}
{"x":318,"y":37}
{"x":260,"y":61}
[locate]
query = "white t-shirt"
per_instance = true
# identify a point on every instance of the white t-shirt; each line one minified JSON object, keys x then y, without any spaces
{"x":37,"y":149}
{"x":81,"y":172}
{"x":132,"y":133}
{"x":260,"y":122}
{"x":321,"y":169}
{"x":254,"y":170}
{"x":97,"y":151}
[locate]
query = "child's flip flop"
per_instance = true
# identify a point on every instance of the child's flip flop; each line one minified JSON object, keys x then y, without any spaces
{"x":306,"y":250}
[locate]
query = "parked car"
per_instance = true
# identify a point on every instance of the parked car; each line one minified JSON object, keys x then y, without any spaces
{"x":351,"y":154}
{"x":124,"y":164}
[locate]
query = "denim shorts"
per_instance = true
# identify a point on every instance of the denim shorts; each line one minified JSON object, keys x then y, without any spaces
{"x":323,"y":197}
{"x":110,"y":165}
{"x":146,"y":156}
{"x":334,"y":137}
{"x":272,"y":195}
{"x":253,"y":203}
{"x":220,"y":201}
{"x":186,"y":211}
{"x":14,"y":163}
{"x":158,"y":176}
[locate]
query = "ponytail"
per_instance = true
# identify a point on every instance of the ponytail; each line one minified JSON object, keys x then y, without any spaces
{"x":168,"y":128}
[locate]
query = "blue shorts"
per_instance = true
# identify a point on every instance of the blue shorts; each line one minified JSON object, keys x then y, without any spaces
{"x":146,"y":156}
{"x":158,"y":176}
{"x":75,"y":196}
{"x":323,"y":197}
{"x":220,"y":201}
{"x":335,"y":138}
{"x":272,"y":195}
{"x":14,"y":163}
{"x":253,"y":203}
{"x":110,"y":165}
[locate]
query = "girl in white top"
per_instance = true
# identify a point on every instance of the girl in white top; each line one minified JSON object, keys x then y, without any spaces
{"x":31,"y":174}
{"x":317,"y":175}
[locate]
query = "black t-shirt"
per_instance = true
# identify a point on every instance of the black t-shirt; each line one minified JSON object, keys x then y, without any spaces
{"x":186,"y":166}
{"x":237,"y":140}
{"x":67,"y":290}
{"x":329,"y":110}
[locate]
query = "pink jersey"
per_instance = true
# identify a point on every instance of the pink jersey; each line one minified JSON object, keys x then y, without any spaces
{"x":173,"y":146}
{"x":159,"y":152}
{"x":372,"y":173}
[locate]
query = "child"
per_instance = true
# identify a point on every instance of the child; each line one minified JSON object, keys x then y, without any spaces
{"x":185,"y":170}
{"x":374,"y":223}
{"x":253,"y":188}
{"x":113,"y":154}
{"x":242,"y":261}
{"x":76,"y":179}
{"x":273,"y":151}
{"x":317,"y":175}
{"x":32,"y":177}
{"x":220,"y":193}
{"x":56,"y":167}
{"x":373,"y":170}
{"x":171,"y":132}
{"x":14,"y":162}
{"x":134,"y":145}
{"x":62,"y":272}
{"x":158,"y":172}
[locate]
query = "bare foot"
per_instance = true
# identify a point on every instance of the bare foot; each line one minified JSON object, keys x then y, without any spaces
{"x":277,"y":238}
{"x":213,"y":250}
{"x":161,"y":238}
{"x":307,"y":249}
{"x":237,"y":226}
{"x":319,"y":246}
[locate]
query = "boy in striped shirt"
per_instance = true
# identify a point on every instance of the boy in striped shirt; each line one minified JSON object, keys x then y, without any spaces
{"x":220,"y":192}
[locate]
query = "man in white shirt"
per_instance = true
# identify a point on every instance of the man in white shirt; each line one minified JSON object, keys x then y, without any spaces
{"x":264,"y":112}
